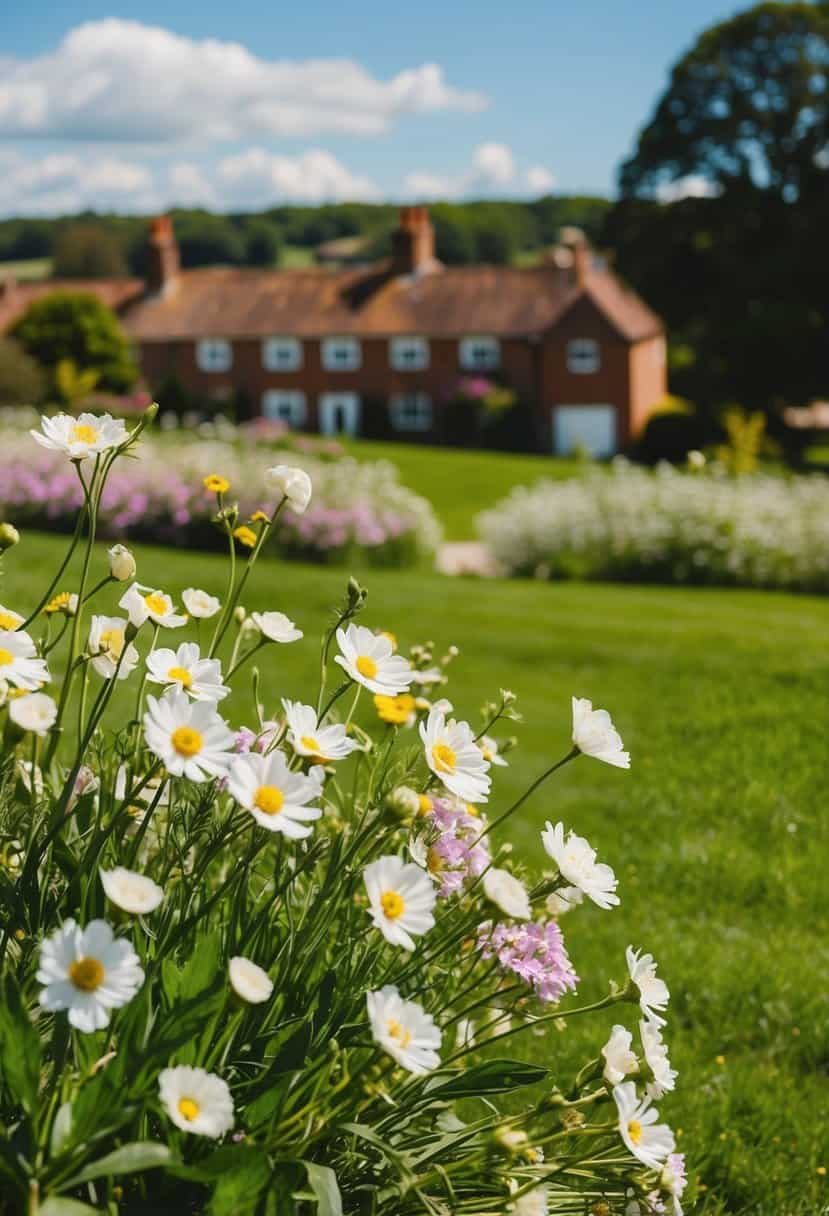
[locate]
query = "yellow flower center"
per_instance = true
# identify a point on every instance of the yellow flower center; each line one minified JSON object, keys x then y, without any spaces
{"x":635,"y":1130}
{"x":188,"y":1109}
{"x":425,"y":803}
{"x":472,"y":810}
{"x":444,"y":758}
{"x":182,"y":675}
{"x":112,"y":641}
{"x":396,"y":710}
{"x":366,"y":666}
{"x":87,"y":974}
{"x":83,"y":433}
{"x":398,"y":1032}
{"x":186,"y":741}
{"x":8,"y":621}
{"x":310,"y":744}
{"x":245,"y":536}
{"x":269,"y":799}
{"x":487,"y":754}
{"x":6,"y":657}
{"x":434,"y":862}
{"x":156,"y":603}
{"x":392,"y":904}
{"x":216,"y":484}
{"x":61,"y":600}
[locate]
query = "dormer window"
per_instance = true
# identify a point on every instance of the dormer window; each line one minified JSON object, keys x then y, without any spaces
{"x":214,"y":355}
{"x":583,"y":356}
{"x":281,"y":354}
{"x":480,"y":353}
{"x":341,"y":354}
{"x":409,"y":354}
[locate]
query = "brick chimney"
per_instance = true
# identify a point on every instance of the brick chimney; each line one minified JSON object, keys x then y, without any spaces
{"x":163,"y":259}
{"x":413,"y":242}
{"x":579,"y":246}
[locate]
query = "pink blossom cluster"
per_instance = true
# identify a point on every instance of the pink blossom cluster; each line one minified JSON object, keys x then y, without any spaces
{"x":457,"y":854}
{"x":535,"y":952}
{"x":475,"y":388}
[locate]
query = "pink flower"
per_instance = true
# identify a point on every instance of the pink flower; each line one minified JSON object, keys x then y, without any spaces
{"x":535,"y":952}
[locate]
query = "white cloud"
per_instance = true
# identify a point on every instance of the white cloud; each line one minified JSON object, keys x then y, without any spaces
{"x":63,"y":183}
{"x":122,"y":80}
{"x":692,"y":186}
{"x":255,"y":178}
{"x":540,"y":180}
{"x":492,"y":171}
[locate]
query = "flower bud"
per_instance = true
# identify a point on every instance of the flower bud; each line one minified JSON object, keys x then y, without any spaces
{"x":509,"y":1140}
{"x":239,"y":614}
{"x":9,"y":536}
{"x":403,"y":802}
{"x":294,"y":484}
{"x":121,"y":563}
{"x":572,"y":1119}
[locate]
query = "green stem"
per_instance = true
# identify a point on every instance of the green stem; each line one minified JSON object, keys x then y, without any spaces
{"x":571,"y":755}
{"x":76,"y":535}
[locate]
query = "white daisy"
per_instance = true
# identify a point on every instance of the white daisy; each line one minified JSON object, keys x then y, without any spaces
{"x":369,"y":659}
{"x":649,"y":1141}
{"x":186,"y":670}
{"x":656,"y":1057}
{"x":188,"y":737}
{"x":653,"y":992}
{"x":565,"y":899}
{"x":673,"y":1180}
{"x":401,"y":899}
{"x":107,"y":642}
{"x":308,"y":738}
{"x":489,"y":751}
{"x":196,"y":1101}
{"x":453,"y":755}
{"x":595,"y":735}
{"x":35,"y":711}
{"x":508,"y":893}
{"x":199,"y":604}
{"x":294,"y":484}
{"x":143,"y":603}
{"x":121,"y":563}
{"x":249,"y":981}
{"x":133,"y":893}
{"x":619,"y":1060}
{"x":277,"y":798}
{"x":532,"y":1203}
{"x":81,"y":437}
{"x":404,"y":1030}
{"x":19,"y":663}
{"x":87,"y":972}
{"x":429,"y":677}
{"x":9,"y":620}
{"x":276,"y":626}
{"x":577,"y":863}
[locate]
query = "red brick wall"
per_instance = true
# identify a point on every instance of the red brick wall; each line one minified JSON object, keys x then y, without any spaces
{"x":648,"y":381}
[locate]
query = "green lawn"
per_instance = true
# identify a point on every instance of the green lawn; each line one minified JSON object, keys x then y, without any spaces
{"x":458,"y":482}
{"x":28,"y":269}
{"x":718,"y":833}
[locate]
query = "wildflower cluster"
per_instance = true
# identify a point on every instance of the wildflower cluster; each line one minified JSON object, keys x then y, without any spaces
{"x":667,"y":525}
{"x":280,"y":933}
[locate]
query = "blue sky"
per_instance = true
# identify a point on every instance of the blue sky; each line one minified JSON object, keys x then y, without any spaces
{"x":125,"y":106}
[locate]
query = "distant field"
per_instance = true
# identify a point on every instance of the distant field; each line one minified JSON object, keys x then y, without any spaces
{"x":460,"y":483}
{"x":296,"y":257}
{"x":29,"y":269}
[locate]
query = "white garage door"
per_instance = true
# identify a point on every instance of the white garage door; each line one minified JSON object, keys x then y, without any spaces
{"x":591,"y":427}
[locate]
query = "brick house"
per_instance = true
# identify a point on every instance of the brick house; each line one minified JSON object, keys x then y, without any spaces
{"x":315,"y":347}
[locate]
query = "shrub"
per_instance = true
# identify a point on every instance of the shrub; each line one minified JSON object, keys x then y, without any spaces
{"x":77,"y":326}
{"x":668,"y":526}
{"x":21,"y":380}
{"x":88,"y":251}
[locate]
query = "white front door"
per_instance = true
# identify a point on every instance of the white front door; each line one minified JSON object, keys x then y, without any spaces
{"x":590,"y":427}
{"x":339,"y":413}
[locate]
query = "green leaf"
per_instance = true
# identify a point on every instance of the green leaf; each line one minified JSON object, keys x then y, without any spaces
{"x":238,"y":1191}
{"x":490,"y":1077}
{"x":61,"y":1129}
{"x":323,"y":1182}
{"x":56,"y":1206}
{"x":19,"y":1047}
{"x":131,"y":1158}
{"x":201,"y":968}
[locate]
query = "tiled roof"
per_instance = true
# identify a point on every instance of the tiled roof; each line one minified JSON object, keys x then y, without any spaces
{"x":447,"y":301}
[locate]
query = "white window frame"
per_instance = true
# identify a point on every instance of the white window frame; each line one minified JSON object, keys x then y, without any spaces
{"x":411,"y":411}
{"x":214,"y":354}
{"x":409,"y":353}
{"x":480,"y":353}
{"x":281,"y":354}
{"x":286,"y":404}
{"x":333,"y":363}
{"x":584,"y":356}
{"x":353,"y":408}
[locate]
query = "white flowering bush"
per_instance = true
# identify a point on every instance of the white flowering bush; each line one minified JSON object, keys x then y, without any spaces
{"x":286,"y":965}
{"x":666,"y":525}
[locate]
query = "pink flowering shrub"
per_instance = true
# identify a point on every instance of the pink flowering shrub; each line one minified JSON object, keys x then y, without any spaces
{"x":458,"y":853}
{"x":535,"y":952}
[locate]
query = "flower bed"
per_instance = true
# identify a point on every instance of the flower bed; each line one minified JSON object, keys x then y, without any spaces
{"x":632,"y":524}
{"x":279,"y":965}
{"x":361,"y":512}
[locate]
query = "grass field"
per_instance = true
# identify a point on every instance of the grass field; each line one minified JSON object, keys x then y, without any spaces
{"x":718,"y":833}
{"x":460,"y":483}
{"x":28,"y":269}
